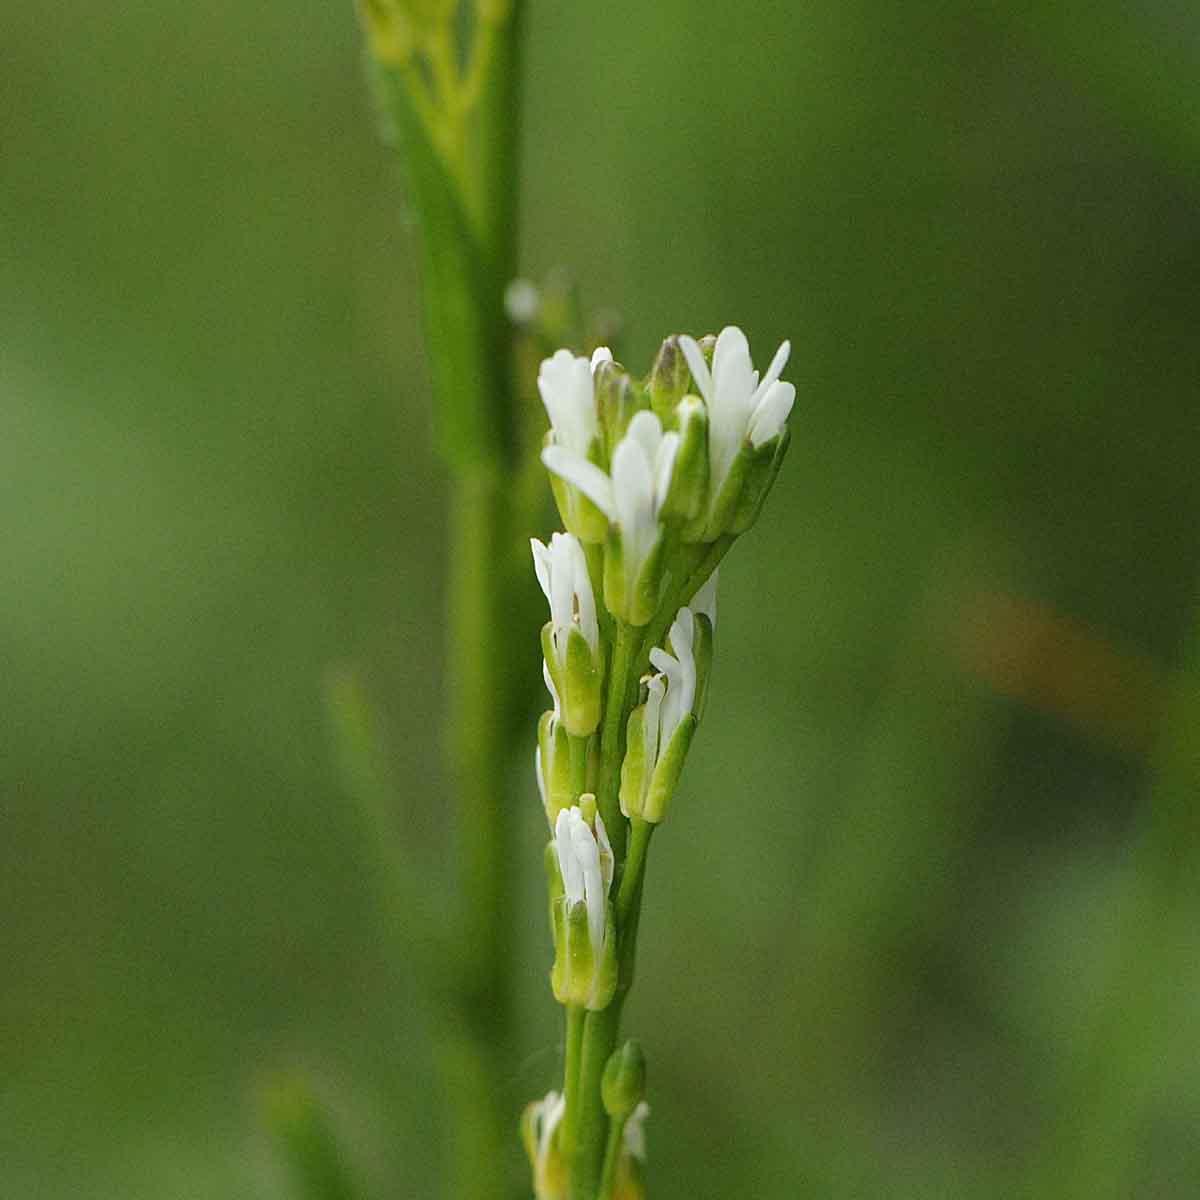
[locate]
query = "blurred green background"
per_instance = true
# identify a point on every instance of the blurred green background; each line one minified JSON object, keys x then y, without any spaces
{"x":923,"y":922}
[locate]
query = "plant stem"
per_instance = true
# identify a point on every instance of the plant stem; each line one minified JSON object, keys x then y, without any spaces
{"x":481,"y":1021}
{"x":459,"y":148}
{"x":612,"y":1155}
{"x":576,"y":1016}
{"x":612,"y":733}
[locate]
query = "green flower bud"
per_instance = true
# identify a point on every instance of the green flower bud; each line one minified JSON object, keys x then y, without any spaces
{"x":617,"y":399}
{"x":623,"y":1086}
{"x":581,"y":915}
{"x":689,"y":477}
{"x":574,"y":656}
{"x":669,"y":381}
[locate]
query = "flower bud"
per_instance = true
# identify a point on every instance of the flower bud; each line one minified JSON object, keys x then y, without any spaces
{"x":669,"y":381}
{"x":617,"y":399}
{"x":580,"y":868}
{"x":689,"y":478}
{"x":571,"y":638}
{"x":623,"y":1086}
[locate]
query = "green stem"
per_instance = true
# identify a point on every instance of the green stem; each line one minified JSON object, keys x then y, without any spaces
{"x":612,"y":734}
{"x":480,"y":1023}
{"x":612,"y":1156}
{"x":576,"y":1017}
{"x":461,"y":169}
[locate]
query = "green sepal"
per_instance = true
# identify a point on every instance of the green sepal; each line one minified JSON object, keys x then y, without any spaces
{"x":667,"y":771}
{"x":725,"y":504}
{"x":623,"y":1085}
{"x":617,"y":399}
{"x":615,"y":598}
{"x":668,"y":381}
{"x":633,"y":769}
{"x":604,"y":982}
{"x":554,"y":892}
{"x":583,"y":681}
{"x":646,"y":592}
{"x":764,"y":467}
{"x":689,"y":477}
{"x":555,"y":746}
{"x":702,"y":654}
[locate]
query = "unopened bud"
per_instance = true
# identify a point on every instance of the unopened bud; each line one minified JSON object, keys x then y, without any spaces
{"x":624,"y":1084}
{"x":617,"y":399}
{"x":669,"y":381}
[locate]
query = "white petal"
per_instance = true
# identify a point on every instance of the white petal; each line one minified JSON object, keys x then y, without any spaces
{"x":774,"y":370}
{"x":562,"y":579}
{"x":673,"y":706}
{"x":646,"y":429}
{"x":587,"y":854}
{"x":553,"y":692}
{"x":634,"y":1137}
{"x":705,"y":600}
{"x":652,"y":721}
{"x":606,"y":854}
{"x":585,"y":601}
{"x":539,"y":774}
{"x":771,"y":413}
{"x":584,"y":475}
{"x":633,"y":498}
{"x":565,"y":385}
{"x":568,"y":862}
{"x":601,"y":354}
{"x":541,"y":565}
{"x":664,"y":468}
{"x":683,"y":633}
{"x":696,"y":364}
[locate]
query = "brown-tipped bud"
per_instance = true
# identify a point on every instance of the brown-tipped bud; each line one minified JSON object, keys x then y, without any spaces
{"x":669,"y":381}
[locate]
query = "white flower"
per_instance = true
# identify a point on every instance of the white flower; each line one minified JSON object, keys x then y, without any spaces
{"x":634,"y":1139}
{"x":562,"y":572}
{"x":565,"y":385}
{"x":585,"y":860}
{"x":740,"y":407}
{"x":675,"y":694}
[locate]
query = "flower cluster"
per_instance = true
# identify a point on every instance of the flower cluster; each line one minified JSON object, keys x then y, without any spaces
{"x":654,"y":479}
